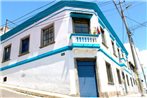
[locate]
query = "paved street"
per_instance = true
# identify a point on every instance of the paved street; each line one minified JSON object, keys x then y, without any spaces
{"x":5,"y":93}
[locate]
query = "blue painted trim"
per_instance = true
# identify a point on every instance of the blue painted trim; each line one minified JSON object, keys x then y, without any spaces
{"x":83,"y":34}
{"x":37,"y":57}
{"x":128,"y":72}
{"x":117,"y":45}
{"x":123,"y":59}
{"x":101,"y":23}
{"x":112,"y":37}
{"x":121,"y":65}
{"x":79,"y":15}
{"x":48,"y":54}
{"x":53,"y":52}
{"x":109,"y":56}
{"x":85,"y":45}
{"x":47,"y":19}
{"x":56,"y":7}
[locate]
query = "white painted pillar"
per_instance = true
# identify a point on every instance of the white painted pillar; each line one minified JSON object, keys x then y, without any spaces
{"x":72,"y":75}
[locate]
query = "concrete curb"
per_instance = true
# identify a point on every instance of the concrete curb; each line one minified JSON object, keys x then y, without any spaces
{"x":33,"y":92}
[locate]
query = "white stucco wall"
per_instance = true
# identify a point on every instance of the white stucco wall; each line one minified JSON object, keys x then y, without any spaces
{"x":57,"y":73}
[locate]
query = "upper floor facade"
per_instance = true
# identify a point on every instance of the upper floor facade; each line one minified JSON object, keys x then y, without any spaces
{"x":70,"y":25}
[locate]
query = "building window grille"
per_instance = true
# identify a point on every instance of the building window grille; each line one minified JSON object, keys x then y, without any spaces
{"x":81,"y":25}
{"x":47,"y":36}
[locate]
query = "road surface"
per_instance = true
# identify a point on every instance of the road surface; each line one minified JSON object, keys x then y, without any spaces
{"x":6,"y":93}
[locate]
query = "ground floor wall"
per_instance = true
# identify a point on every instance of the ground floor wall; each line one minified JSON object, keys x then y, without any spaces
{"x":47,"y":74}
{"x":58,"y":73}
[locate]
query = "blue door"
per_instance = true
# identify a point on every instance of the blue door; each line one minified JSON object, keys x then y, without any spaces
{"x":87,"y":79}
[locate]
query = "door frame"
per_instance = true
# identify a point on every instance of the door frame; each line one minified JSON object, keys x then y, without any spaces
{"x":125,"y":84}
{"x":96,"y":74}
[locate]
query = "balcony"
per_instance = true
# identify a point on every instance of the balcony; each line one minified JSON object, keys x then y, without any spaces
{"x":84,"y":40}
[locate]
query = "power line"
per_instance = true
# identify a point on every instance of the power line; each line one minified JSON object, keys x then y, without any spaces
{"x":103,"y":3}
{"x":31,"y":12}
{"x":136,"y":21}
{"x":121,"y":13}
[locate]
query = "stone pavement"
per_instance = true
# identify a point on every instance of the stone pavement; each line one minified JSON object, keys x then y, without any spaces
{"x":7,"y":93}
{"x":135,"y":95}
{"x":29,"y":93}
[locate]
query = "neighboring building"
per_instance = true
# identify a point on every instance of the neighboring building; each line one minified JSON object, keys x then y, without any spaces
{"x":141,"y":62}
{"x":3,"y":30}
{"x":69,"y":48}
{"x":143,"y":55}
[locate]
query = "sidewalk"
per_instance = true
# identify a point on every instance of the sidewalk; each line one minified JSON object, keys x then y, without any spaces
{"x":37,"y":93}
{"x":44,"y":94}
{"x":138,"y":95}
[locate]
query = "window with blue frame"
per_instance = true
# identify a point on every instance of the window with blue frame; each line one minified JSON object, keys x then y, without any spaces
{"x":6,"y":53}
{"x":81,"y":25}
{"x":24,"y":45}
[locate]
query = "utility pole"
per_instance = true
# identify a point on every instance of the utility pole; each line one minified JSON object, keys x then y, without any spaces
{"x":131,"y":44}
{"x":6,"y":26}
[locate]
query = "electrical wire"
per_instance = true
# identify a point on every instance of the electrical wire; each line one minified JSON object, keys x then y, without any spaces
{"x":135,"y":21}
{"x":31,"y":12}
{"x":101,"y":4}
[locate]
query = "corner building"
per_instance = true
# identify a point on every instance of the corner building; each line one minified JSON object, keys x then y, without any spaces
{"x":69,"y":48}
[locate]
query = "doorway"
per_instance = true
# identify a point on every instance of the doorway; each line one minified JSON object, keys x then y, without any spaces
{"x":87,"y":78}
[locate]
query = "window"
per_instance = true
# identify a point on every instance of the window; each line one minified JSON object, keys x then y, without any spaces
{"x":118,"y":53}
{"x":113,"y":47}
{"x":47,"y":36}
{"x":122,"y":55}
{"x":127,"y":80}
{"x":123,"y":76}
{"x":118,"y":76}
{"x":6,"y":53}
{"x":134,"y":81}
{"x":81,"y":25}
{"x":109,"y":73}
{"x":103,"y":37}
{"x":131,"y":81}
{"x":4,"y":79}
{"x":24,"y":45}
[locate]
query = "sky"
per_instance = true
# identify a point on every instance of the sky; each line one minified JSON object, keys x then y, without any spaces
{"x":135,"y":14}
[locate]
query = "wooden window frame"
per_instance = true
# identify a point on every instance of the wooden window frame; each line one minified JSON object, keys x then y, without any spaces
{"x":73,"y":23}
{"x":103,"y":36}
{"x":42,"y":36}
{"x":118,"y":76}
{"x":119,"y":55}
{"x":109,"y":73}
{"x":114,"y":49}
{"x":127,"y":79}
{"x":4,"y":60}
{"x":20,"y":46}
